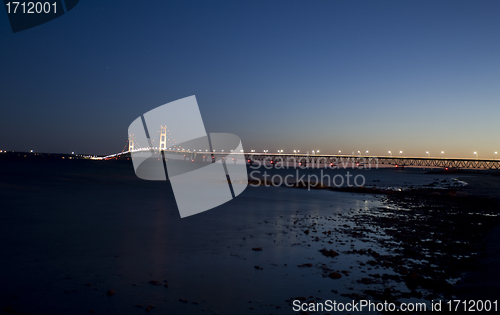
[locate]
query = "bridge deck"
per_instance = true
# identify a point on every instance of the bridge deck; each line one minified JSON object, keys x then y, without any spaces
{"x":373,"y":161}
{"x":381,"y":160}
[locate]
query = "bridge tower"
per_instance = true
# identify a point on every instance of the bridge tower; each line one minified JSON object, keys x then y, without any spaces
{"x":163,"y":137}
{"x":130,"y":143}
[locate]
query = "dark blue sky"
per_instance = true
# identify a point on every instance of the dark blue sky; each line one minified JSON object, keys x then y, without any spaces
{"x":331,"y":75}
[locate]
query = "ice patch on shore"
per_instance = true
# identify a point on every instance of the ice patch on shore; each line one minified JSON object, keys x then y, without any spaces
{"x":447,"y":183}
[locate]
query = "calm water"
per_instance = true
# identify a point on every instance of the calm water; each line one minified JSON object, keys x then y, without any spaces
{"x":72,"y":230}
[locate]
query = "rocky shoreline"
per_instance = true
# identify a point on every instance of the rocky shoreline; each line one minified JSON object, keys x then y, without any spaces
{"x":431,"y":238}
{"x":438,"y":235}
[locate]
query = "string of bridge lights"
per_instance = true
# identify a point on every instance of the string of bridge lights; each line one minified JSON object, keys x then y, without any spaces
{"x":124,"y":151}
{"x":175,"y":147}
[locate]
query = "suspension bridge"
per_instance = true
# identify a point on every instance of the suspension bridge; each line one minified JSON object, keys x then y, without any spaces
{"x":164,"y":142}
{"x":323,"y":160}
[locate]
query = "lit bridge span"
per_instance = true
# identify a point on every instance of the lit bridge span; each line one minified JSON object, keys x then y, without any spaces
{"x":319,"y":160}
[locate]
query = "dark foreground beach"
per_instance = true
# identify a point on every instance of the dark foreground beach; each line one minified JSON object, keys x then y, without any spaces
{"x":82,"y":237}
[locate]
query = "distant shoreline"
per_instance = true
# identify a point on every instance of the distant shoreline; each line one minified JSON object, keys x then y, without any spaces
{"x":21,"y":155}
